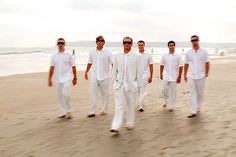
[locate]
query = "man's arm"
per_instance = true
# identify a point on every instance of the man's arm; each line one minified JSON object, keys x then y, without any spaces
{"x":111,"y":59}
{"x":162,"y":67}
{"x":180,"y":74}
{"x":87,"y":70}
{"x":185,"y":71}
{"x":90,"y":63}
{"x":114,"y":70}
{"x":139,"y":71}
{"x":207,"y":66}
{"x":74,"y":81}
{"x":161,"y":71}
{"x":51,"y":71}
{"x":151,"y":73}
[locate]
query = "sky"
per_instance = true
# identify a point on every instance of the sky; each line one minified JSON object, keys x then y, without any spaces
{"x":38,"y":23}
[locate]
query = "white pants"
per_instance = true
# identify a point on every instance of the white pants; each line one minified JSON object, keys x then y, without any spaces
{"x":63,"y":93}
{"x":103,"y":85}
{"x":196,"y":89}
{"x":143,"y":92}
{"x":120,"y":96}
{"x":169,"y":92}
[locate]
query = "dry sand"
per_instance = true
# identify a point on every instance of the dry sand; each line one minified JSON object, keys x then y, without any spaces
{"x":29,"y":126}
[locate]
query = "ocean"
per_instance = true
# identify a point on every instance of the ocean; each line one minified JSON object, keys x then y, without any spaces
{"x":32,"y":60}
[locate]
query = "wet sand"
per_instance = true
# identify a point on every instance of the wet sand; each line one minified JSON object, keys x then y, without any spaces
{"x":30,"y":127}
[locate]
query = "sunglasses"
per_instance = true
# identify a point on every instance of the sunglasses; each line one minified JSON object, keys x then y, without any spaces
{"x":127,"y":42}
{"x":194,"y":40}
{"x":60,"y":43}
{"x":100,"y":40}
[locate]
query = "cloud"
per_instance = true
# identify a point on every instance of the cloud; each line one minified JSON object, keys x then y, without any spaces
{"x":107,"y":5}
{"x":39,"y":23}
{"x":19,"y":7}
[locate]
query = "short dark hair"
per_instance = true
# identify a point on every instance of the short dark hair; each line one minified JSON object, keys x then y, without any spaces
{"x":141,"y":41}
{"x":171,"y":42}
{"x":61,"y":39}
{"x":128,"y":38}
{"x":100,"y":37}
{"x":195,"y":36}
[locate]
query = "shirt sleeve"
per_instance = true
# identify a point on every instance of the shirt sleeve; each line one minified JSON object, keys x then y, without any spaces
{"x":207,"y":57}
{"x":186,"y":58}
{"x":111,"y":58}
{"x":52,"y":62}
{"x":90,"y":59}
{"x":180,"y":61}
{"x":162,"y":60}
{"x":72,"y":61}
{"x":150,"y":60}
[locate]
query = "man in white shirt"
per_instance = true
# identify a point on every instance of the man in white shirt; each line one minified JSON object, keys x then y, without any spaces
{"x":63,"y":64}
{"x":196,"y":69}
{"x":171,"y":67}
{"x":127,"y":79}
{"x":100,"y":60}
{"x":147,"y":73}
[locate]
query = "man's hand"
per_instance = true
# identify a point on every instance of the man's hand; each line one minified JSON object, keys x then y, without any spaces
{"x":161,"y":77}
{"x":206,"y":75}
{"x":185,"y":79}
{"x":150,"y":80}
{"x":51,"y":71}
{"x":50,"y":83}
{"x":74,"y":81}
{"x":178,"y":80}
{"x":86,"y":76}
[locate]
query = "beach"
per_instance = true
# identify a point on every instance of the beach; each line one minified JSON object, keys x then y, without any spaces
{"x":30,"y":127}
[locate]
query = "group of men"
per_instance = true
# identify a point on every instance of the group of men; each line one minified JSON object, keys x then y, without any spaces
{"x":131,"y":72}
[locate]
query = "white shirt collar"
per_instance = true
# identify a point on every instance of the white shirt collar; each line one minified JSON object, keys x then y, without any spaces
{"x":61,"y":52}
{"x":143,"y":52}
{"x":102,"y":50}
{"x":127,"y":54}
{"x":197,"y":50}
{"x":171,"y":53}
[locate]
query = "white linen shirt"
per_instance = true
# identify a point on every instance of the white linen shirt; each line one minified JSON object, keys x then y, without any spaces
{"x":101,"y":61}
{"x":196,"y":61}
{"x":147,"y":60}
{"x":171,"y":63}
{"x":62,"y":63}
{"x":126,"y":71}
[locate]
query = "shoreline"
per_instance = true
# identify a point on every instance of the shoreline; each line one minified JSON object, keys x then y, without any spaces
{"x":219,"y":60}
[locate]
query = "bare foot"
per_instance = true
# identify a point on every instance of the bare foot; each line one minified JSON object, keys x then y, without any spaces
{"x":170,"y":109}
{"x":114,"y":130}
{"x":199,"y":110}
{"x":68,"y":115}
{"x":130,"y":127}
{"x":103,"y":113}
{"x":191,"y":115}
{"x":62,"y":116}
